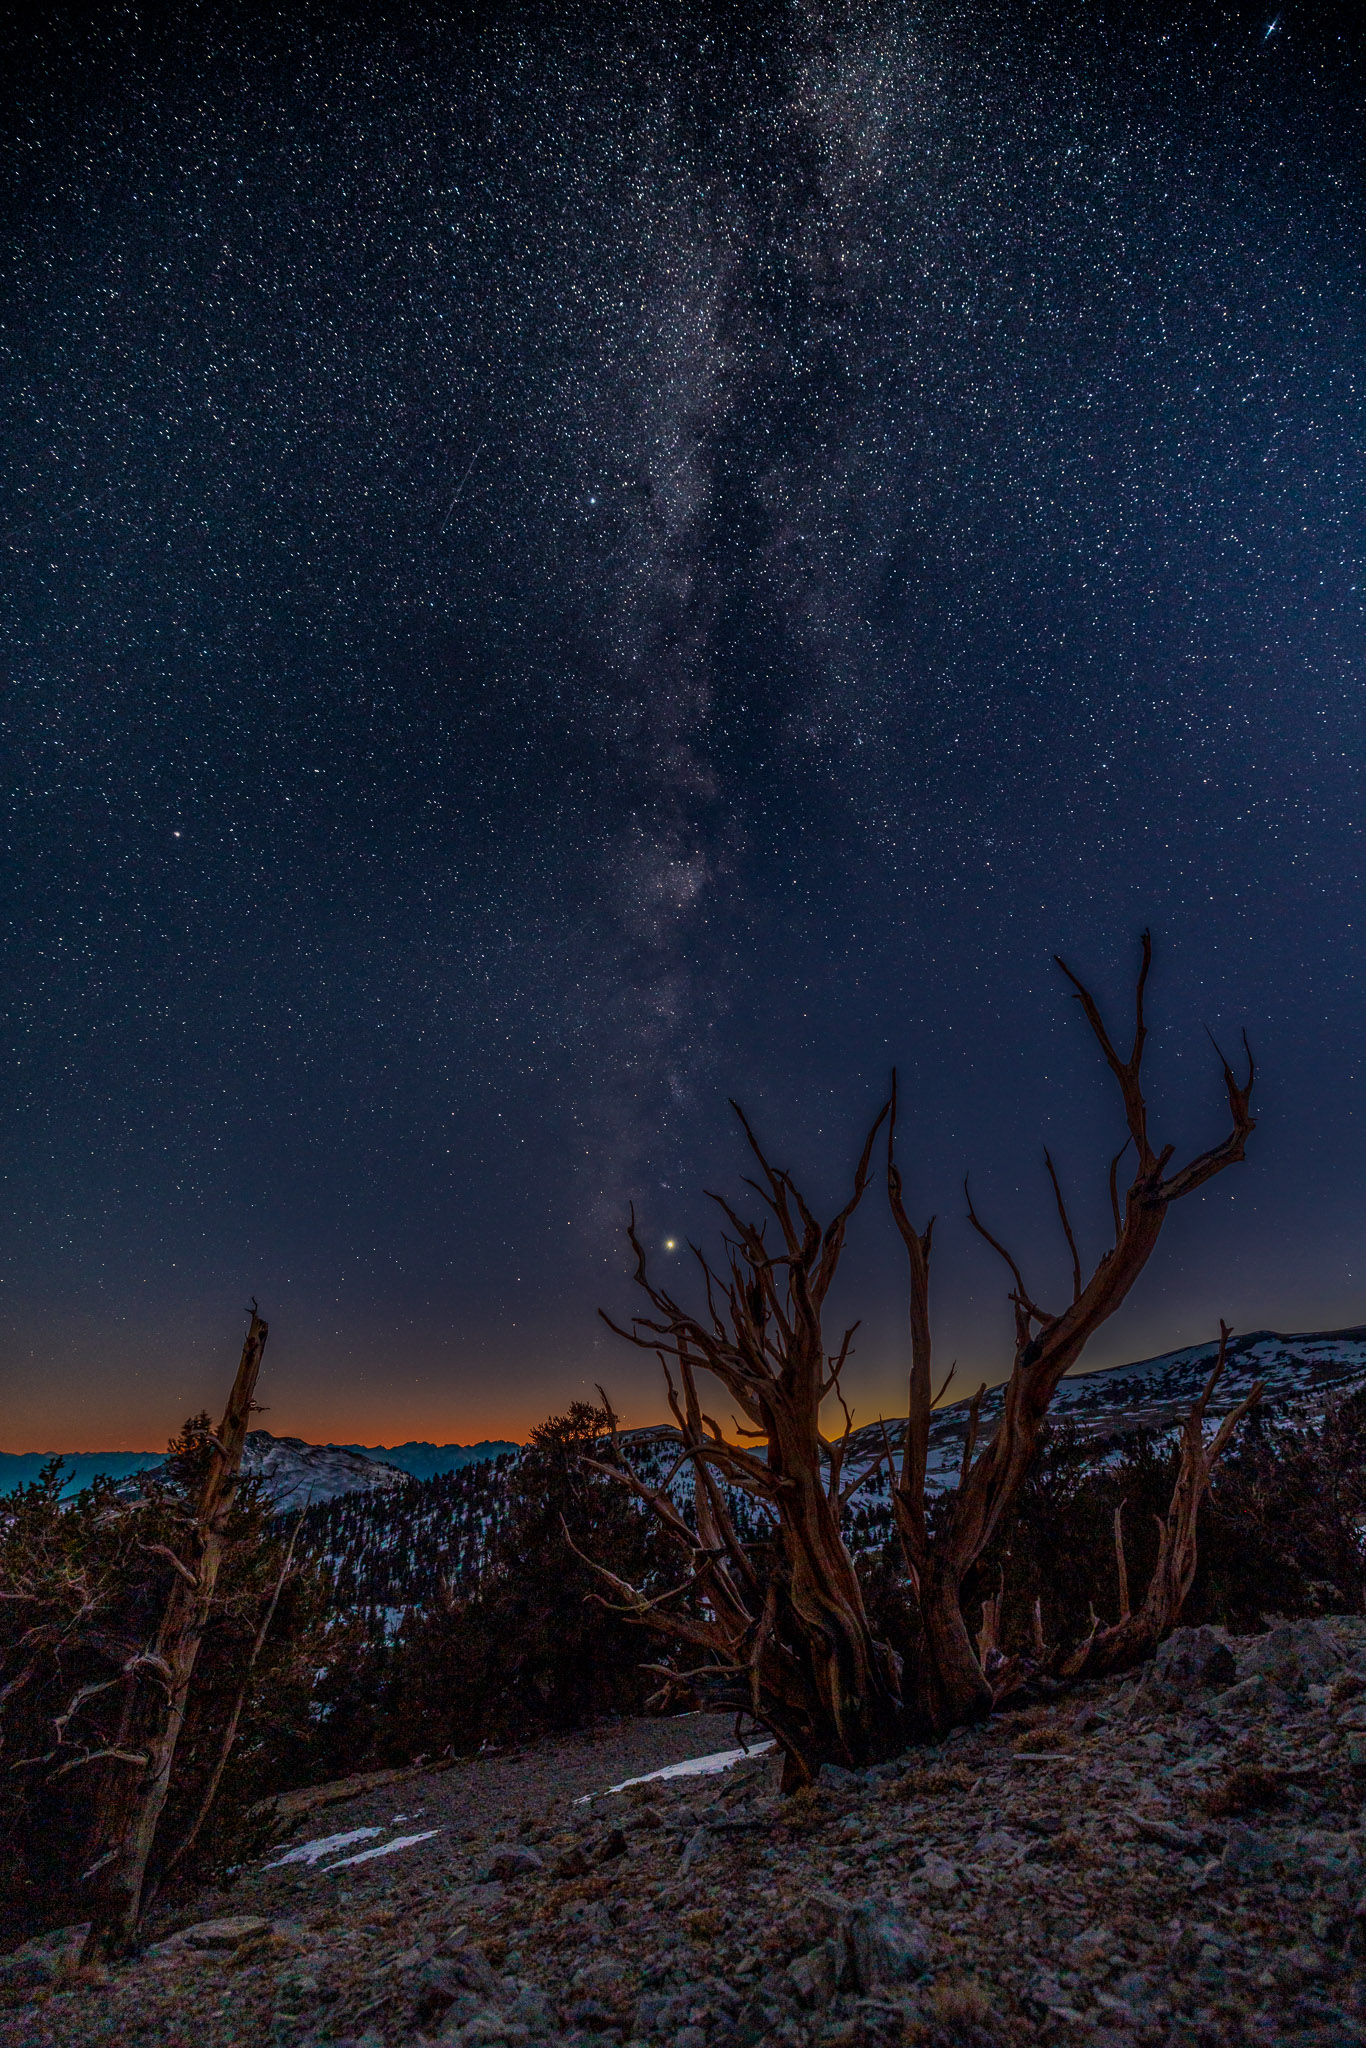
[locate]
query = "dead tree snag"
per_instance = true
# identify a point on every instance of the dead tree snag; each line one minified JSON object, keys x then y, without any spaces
{"x":166,"y":1671}
{"x":950,"y":1684}
{"x":782,"y":1625}
{"x":1136,"y":1634}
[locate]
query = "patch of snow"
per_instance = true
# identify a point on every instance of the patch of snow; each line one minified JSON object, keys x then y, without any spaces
{"x":324,"y":1845}
{"x":294,"y":1473}
{"x":384,"y":1848}
{"x":692,"y":1767}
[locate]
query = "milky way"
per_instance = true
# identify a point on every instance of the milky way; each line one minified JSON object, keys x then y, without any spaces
{"x":560,"y":571}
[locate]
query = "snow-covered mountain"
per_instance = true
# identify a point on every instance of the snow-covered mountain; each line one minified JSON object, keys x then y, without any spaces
{"x":387,"y":1553}
{"x":1300,"y":1375}
{"x":294,"y":1472}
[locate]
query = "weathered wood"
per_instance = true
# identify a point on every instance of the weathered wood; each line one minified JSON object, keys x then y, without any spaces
{"x":791,"y":1640}
{"x":225,"y":1747}
{"x":1136,"y":1634}
{"x":176,"y":1651}
{"x":786,"y":1639}
{"x":950,"y":1684}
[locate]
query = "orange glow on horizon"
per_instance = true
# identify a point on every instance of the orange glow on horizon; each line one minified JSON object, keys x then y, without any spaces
{"x":381,"y":1424}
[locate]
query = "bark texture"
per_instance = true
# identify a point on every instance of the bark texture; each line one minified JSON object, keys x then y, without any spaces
{"x":950,"y":1685}
{"x":166,"y":1672}
{"x":1137,"y":1633}
{"x":781,"y":1622}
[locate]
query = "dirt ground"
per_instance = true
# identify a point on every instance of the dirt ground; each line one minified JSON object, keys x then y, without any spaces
{"x":1149,"y":1864}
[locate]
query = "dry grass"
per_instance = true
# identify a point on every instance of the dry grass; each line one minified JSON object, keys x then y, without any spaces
{"x":963,"y":2002}
{"x":587,"y":1888}
{"x":1249,"y":1788}
{"x":806,"y":1811}
{"x":1044,"y":1735}
{"x":930,"y":1784}
{"x":964,"y":2014}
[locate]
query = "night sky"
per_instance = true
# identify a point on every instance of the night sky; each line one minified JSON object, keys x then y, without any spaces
{"x":561,"y":566}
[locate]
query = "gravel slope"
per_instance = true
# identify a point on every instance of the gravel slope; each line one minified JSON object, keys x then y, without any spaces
{"x":1178,"y":1860}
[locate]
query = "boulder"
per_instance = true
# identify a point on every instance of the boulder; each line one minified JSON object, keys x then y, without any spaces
{"x":45,"y":1959}
{"x":1089,"y":1947}
{"x":602,"y":1974}
{"x":815,"y":1976}
{"x":868,"y":1947}
{"x":591,"y":1916}
{"x":883,"y":1949}
{"x":463,"y":1969}
{"x":532,"y":2010}
{"x":694,"y":1849}
{"x":1248,"y":1853}
{"x":456,"y":1986}
{"x":938,"y":1873}
{"x":1244,"y":1696}
{"x":1294,"y":1654}
{"x":1193,"y":1660}
{"x":512,"y":1860}
{"x":481,"y":1896}
{"x":225,"y":1934}
{"x":652,"y":2009}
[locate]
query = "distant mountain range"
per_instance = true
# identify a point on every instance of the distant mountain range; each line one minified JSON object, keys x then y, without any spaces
{"x":294,"y":1471}
{"x":1301,"y":1373}
{"x":424,"y":1460}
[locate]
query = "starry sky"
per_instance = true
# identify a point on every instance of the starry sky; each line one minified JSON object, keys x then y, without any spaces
{"x":565,"y":564}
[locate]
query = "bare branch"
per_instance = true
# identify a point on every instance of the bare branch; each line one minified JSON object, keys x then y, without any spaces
{"x":99,"y":1756}
{"x":857,"y":1485}
{"x":970,"y":1439}
{"x":1066,"y":1226}
{"x":1126,"y":1072}
{"x":1021,"y":1295}
{"x":164,"y":1550}
{"x":1114,"y":1189}
{"x":74,"y":1705}
{"x":1121,"y":1564}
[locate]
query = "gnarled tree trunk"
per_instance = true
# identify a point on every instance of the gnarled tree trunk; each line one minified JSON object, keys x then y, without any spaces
{"x":169,"y":1666}
{"x":786,"y":1636}
{"x":950,"y":1685}
{"x":1138,"y":1632}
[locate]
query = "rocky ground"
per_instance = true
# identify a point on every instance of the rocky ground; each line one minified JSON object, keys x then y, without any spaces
{"x":1172,"y":1859}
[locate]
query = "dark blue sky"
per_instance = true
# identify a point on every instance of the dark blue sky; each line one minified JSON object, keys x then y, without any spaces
{"x":560,"y":569}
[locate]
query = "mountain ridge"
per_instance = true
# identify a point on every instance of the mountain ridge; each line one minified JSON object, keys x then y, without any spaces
{"x":1301,"y":1371}
{"x":422,"y":1459}
{"x":21,"y":1468}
